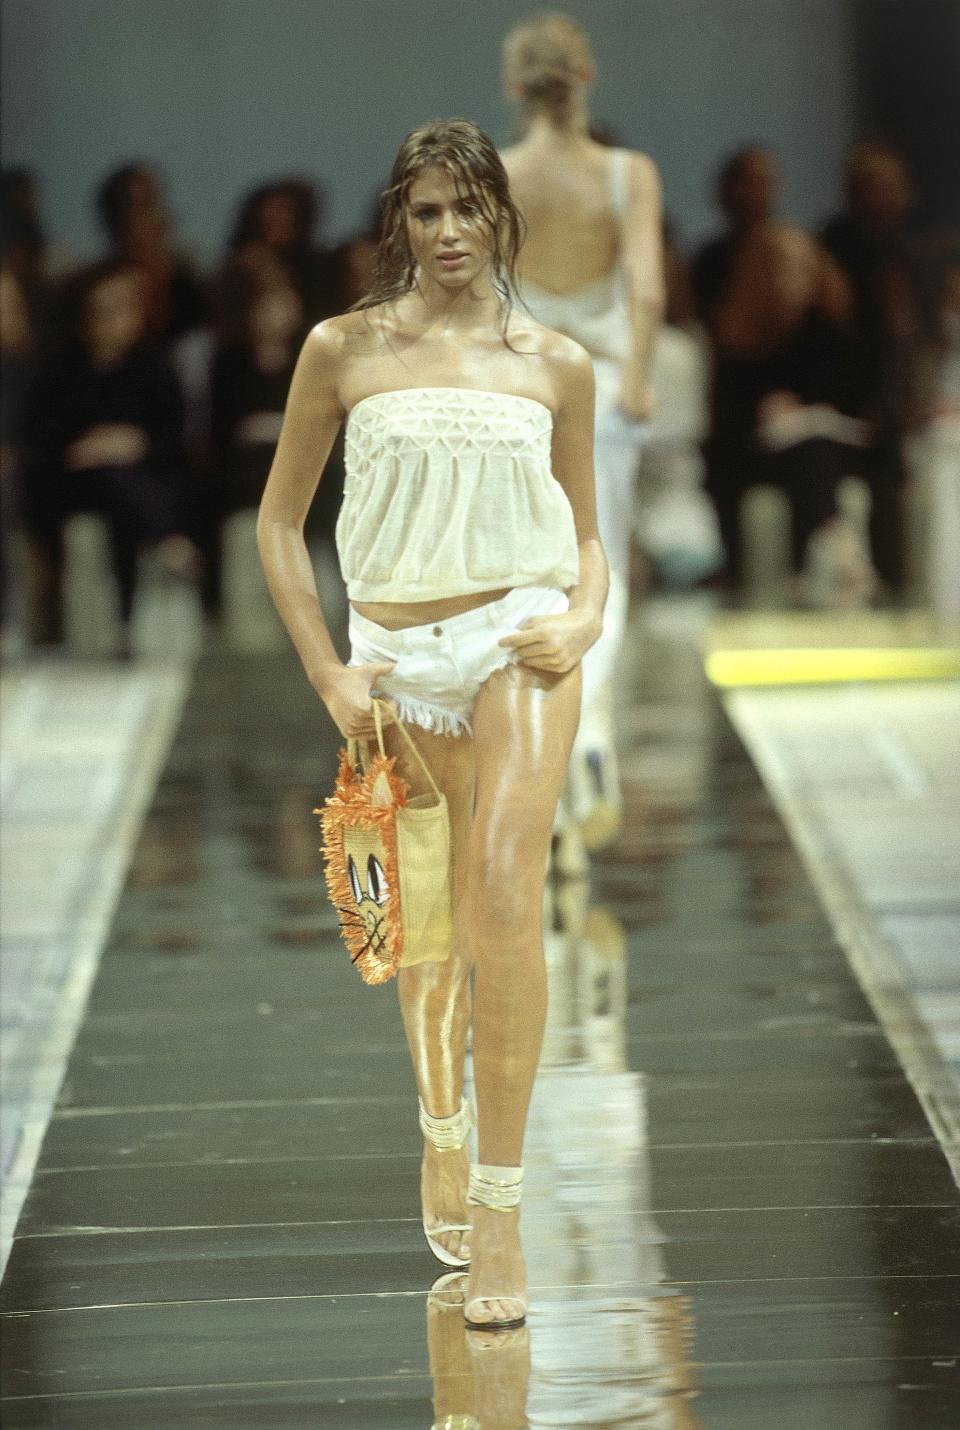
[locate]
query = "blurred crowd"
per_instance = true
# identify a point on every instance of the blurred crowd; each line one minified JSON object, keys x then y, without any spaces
{"x":830,"y":354}
{"x":149,"y":393}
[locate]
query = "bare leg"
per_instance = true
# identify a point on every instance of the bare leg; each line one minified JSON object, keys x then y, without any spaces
{"x":524,"y":722}
{"x":435,"y":997}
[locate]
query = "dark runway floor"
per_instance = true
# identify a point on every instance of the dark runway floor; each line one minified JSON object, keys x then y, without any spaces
{"x":736,"y":1215}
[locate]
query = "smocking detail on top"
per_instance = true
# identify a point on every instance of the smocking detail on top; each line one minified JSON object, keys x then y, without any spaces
{"x":449,"y":490}
{"x":453,"y":419}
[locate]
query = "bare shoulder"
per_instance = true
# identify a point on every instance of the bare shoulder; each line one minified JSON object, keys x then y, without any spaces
{"x":333,"y":344}
{"x":568,"y":365}
{"x":536,"y":340}
{"x":521,"y":170}
{"x":342,"y":333}
{"x":644,"y":174}
{"x":508,"y":156}
{"x":564,"y":354}
{"x":323,"y":346}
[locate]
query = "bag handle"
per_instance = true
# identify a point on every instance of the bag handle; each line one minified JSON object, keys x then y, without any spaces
{"x":358,"y":751}
{"x":379,"y":710}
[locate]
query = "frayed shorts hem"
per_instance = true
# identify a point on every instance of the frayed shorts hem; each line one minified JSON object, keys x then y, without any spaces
{"x":437,"y":718}
{"x":439,"y":668}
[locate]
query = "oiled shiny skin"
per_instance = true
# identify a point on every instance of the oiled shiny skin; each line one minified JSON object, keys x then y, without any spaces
{"x":503,"y":783}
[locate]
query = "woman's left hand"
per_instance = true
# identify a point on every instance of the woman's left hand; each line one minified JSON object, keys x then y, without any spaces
{"x":555,"y":643}
{"x":637,"y":402}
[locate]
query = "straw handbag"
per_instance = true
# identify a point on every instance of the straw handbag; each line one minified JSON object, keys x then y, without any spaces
{"x":387,"y":859}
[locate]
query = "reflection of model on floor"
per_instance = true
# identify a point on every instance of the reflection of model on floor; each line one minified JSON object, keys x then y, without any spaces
{"x":479,"y":1383}
{"x":606,"y":1348}
{"x":485,"y":1384}
{"x":608,"y":1343}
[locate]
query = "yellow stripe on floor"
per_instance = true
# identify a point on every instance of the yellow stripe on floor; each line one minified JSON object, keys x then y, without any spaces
{"x":830,"y":665}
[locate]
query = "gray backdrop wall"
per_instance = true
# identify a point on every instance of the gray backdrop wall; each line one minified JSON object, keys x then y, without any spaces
{"x":226,"y":93}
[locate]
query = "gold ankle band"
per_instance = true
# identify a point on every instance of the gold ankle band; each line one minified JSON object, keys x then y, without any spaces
{"x":496,"y":1187}
{"x":445,"y":1133}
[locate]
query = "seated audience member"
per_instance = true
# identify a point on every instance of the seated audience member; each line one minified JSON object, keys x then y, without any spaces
{"x":779,"y":404}
{"x":23,"y":243}
{"x":937,"y":451}
{"x":134,"y":213}
{"x":253,"y":362}
{"x":944,"y":403}
{"x":875,"y":243}
{"x":359,"y":254}
{"x":276,"y":224}
{"x":746,"y":193}
{"x":16,"y":373}
{"x":102,"y":432}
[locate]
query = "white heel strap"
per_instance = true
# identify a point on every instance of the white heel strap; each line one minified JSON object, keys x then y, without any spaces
{"x":496,"y":1187}
{"x":446,"y":1132}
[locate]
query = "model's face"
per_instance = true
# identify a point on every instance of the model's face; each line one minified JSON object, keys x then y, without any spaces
{"x":449,"y":236}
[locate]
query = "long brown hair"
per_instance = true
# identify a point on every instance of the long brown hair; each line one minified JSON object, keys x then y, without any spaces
{"x":463,"y":151}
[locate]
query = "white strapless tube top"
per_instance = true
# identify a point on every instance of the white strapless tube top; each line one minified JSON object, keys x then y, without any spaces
{"x":449,"y":490}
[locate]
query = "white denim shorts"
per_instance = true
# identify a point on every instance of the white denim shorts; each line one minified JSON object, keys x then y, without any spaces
{"x":441,"y":667}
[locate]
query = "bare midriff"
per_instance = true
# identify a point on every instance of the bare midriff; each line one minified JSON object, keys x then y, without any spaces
{"x":398,"y":615}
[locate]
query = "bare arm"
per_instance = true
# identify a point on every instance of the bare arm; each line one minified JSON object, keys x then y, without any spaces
{"x":311,"y":422}
{"x":642,"y":250}
{"x":572,"y":460}
{"x":558,"y":643}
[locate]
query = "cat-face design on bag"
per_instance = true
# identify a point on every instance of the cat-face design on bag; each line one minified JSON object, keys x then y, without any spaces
{"x":359,"y":846}
{"x":371,"y":897}
{"x":366,"y":910}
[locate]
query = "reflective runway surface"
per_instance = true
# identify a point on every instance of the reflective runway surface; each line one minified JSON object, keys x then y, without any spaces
{"x":736,"y":1216}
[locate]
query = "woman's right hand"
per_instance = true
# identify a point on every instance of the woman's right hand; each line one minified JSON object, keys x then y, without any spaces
{"x":346,"y":694}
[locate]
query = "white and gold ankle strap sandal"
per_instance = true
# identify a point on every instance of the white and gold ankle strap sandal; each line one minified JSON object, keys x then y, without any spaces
{"x":499,"y":1188}
{"x":446,"y":1134}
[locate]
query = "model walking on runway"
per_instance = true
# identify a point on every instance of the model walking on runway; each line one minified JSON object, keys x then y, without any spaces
{"x":591,"y":267}
{"x":476,"y":577}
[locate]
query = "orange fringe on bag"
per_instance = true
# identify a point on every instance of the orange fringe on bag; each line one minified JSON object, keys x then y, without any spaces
{"x":365,"y":801}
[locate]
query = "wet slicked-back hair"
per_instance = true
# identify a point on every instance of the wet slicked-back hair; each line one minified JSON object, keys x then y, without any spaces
{"x":462,"y":150}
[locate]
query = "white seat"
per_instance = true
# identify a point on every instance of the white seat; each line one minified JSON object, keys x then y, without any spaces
{"x":250,"y":620}
{"x":166,"y":624}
